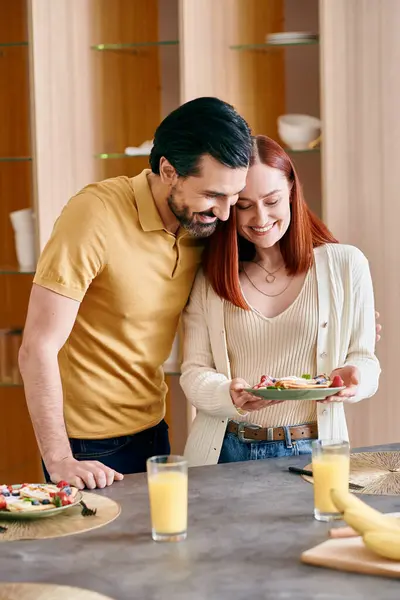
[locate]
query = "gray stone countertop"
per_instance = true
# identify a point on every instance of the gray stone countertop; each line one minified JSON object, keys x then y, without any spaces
{"x":248,"y":524}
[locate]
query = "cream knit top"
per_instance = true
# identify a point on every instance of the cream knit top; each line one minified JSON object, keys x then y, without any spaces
{"x":279,"y":346}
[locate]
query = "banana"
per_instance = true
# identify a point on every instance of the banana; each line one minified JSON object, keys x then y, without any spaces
{"x":360,"y":516}
{"x":343,"y":499}
{"x":363,"y":521}
{"x":384,"y":543}
{"x":381,"y":533}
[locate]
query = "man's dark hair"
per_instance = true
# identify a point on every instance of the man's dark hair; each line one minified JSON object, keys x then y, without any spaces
{"x":202,"y":126}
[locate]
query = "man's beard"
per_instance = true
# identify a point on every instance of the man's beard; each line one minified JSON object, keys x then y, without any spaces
{"x":188,"y":221}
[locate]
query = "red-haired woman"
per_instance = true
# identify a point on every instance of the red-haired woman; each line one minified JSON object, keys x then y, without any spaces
{"x":277,"y":295}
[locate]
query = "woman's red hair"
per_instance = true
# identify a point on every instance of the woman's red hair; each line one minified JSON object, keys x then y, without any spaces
{"x":225,"y":249}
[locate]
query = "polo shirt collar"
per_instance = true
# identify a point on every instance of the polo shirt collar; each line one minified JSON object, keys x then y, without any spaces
{"x":149,"y":217}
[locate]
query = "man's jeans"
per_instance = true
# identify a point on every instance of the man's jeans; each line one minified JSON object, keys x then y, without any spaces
{"x":127,"y":454}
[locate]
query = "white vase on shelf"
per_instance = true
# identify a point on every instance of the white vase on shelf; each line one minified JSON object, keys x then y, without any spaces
{"x":24,"y":233}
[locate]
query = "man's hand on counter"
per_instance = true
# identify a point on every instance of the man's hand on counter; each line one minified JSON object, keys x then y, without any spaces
{"x":86,"y":473}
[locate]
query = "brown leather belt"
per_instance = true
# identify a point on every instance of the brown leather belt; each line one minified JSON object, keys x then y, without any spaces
{"x":254,"y":433}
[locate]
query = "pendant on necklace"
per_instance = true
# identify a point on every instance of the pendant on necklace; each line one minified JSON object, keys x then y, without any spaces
{"x":270,"y":278}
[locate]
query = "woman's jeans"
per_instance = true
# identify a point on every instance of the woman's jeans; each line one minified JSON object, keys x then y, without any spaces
{"x":234,"y":450}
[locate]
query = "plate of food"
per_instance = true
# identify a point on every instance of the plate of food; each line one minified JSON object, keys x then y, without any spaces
{"x":297,"y":388}
{"x":36,"y":500}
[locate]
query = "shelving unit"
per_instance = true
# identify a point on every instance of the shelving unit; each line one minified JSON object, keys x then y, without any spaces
{"x":300,"y":65}
{"x":302,"y":91}
{"x":18,"y":451}
{"x":136,"y":78}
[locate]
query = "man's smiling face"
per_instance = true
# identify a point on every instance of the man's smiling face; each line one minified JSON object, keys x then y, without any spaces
{"x":199,"y":202}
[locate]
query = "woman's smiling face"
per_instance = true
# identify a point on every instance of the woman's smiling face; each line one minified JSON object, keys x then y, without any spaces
{"x":263,"y":207}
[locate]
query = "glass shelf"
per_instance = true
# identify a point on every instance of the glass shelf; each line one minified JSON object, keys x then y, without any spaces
{"x":14,"y":158}
{"x":305,"y":151}
{"x":268,"y":47}
{"x":13,"y":44}
{"x":133,"y":46}
{"x":13,"y":270}
{"x":106,"y":156}
{"x":5,"y":384}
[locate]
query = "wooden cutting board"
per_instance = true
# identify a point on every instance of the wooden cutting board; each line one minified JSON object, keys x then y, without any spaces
{"x":350,"y":554}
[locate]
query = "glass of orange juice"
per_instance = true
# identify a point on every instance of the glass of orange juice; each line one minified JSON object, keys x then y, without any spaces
{"x":331,"y":470}
{"x":167,"y":478}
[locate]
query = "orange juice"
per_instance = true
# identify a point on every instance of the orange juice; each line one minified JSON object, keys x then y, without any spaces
{"x":329,"y":471}
{"x":168,"y":492}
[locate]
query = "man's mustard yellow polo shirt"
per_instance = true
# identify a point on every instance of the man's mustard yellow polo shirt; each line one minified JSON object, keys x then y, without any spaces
{"x":109,"y":250}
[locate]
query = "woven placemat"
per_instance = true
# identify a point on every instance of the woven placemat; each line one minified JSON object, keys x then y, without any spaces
{"x":377,"y":472}
{"x":46,"y":591}
{"x":68,"y":522}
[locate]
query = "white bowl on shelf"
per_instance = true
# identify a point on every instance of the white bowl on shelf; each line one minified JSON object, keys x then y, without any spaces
{"x":298,"y":131}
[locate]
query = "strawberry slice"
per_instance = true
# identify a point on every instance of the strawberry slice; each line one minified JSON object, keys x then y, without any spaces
{"x":61,"y":484}
{"x":3,"y":503}
{"x":337,"y":381}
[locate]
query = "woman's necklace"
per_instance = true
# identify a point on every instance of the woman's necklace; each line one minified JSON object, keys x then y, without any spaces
{"x":264,"y":293}
{"x":270,"y":278}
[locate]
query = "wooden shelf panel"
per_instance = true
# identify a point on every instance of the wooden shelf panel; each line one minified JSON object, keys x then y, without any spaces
{"x":14,"y":103}
{"x":20,"y":460}
{"x":14,"y":292}
{"x":13,"y":22}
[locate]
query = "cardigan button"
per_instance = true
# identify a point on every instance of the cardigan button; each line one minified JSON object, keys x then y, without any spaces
{"x":323,"y":355}
{"x":324,"y":413}
{"x":325,"y":324}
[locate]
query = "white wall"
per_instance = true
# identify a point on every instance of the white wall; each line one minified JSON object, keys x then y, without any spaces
{"x":61,"y":92}
{"x":360,"y":101}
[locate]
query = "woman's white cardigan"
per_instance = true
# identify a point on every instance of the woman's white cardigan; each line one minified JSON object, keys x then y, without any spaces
{"x":346,"y":336}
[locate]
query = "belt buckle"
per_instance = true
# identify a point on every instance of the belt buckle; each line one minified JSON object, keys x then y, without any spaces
{"x":240,"y":433}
